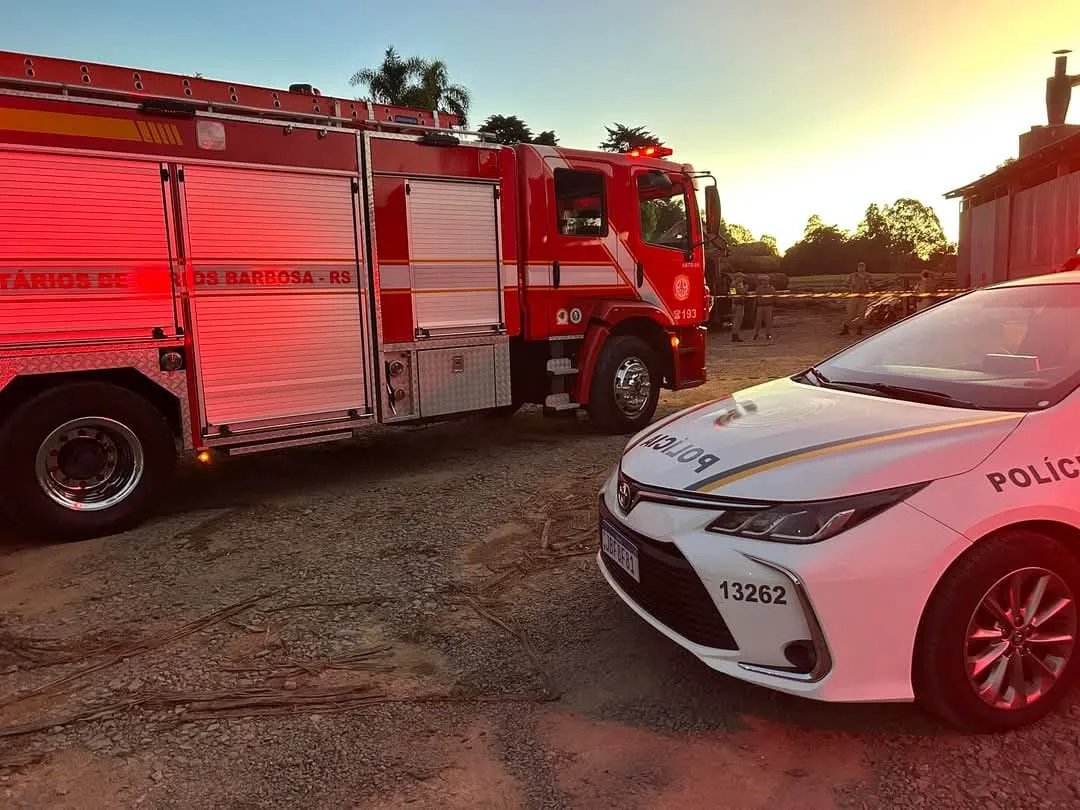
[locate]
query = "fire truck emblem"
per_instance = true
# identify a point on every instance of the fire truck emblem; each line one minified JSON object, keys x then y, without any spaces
{"x":682,"y":287}
{"x":561,"y":317}
{"x":575,"y":315}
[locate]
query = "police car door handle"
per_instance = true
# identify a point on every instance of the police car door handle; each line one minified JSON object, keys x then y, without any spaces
{"x":555,"y":274}
{"x":640,"y":274}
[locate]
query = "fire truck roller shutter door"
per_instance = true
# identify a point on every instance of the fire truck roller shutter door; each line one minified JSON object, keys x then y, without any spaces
{"x":279,"y":330}
{"x":84,"y":250}
{"x":454,"y":258}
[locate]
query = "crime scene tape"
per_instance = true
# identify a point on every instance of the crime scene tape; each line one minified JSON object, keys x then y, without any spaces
{"x":839,"y":295}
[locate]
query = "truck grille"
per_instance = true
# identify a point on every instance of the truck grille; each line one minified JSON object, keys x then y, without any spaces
{"x":669,"y":590}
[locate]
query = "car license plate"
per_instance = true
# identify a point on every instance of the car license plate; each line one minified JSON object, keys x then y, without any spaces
{"x":622,"y":552}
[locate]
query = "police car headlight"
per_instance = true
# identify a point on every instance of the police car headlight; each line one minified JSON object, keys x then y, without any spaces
{"x":809,"y":522}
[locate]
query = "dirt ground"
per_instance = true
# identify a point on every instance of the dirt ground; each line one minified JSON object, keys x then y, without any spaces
{"x":415,"y":619}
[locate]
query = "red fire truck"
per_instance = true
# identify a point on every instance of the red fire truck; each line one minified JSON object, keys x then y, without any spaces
{"x":191,"y":267}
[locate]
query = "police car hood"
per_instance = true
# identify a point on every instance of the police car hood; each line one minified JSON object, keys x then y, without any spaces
{"x":792,"y":441}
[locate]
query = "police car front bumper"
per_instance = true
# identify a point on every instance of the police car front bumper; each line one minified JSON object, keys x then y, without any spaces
{"x":832,"y":621}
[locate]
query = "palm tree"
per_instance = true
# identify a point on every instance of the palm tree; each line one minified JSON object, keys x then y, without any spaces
{"x":414,"y":82}
{"x":389,"y":82}
{"x":434,"y":91}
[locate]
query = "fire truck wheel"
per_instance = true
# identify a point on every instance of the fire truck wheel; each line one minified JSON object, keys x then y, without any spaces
{"x":625,"y":385}
{"x":85,"y":460}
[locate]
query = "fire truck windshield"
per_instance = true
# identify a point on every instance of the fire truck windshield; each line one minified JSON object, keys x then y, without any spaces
{"x":664,"y":210}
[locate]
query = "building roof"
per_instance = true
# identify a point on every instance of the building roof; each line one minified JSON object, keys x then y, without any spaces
{"x":998,"y":181}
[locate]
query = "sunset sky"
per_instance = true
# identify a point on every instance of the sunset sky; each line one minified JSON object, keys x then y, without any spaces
{"x":796,"y":107}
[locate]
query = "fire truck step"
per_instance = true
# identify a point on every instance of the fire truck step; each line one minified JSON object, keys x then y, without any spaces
{"x":561,"y":365}
{"x":245,"y":449}
{"x":560,"y":403}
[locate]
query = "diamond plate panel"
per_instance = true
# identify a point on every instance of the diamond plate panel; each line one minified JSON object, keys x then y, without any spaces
{"x":143,"y":360}
{"x":503,"y":394}
{"x":456,"y":380}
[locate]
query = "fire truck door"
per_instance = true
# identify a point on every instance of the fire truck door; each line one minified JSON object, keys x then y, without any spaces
{"x":279,"y":329}
{"x":84,"y":249}
{"x":454,"y":257}
{"x":582,"y":247}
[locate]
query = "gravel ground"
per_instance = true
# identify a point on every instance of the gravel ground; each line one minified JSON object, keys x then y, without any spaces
{"x":421,"y":612}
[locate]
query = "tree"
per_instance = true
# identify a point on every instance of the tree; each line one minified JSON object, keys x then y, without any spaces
{"x":873,"y":240}
{"x":904,"y":237}
{"x":735,"y":234}
{"x":510,"y":129}
{"x":622,"y":138}
{"x":900,"y":237}
{"x":413,"y":82}
{"x":389,"y":82}
{"x":769,"y":241}
{"x":914,"y":229}
{"x":817,"y":232}
{"x":824,"y":249}
{"x":874,"y":225}
{"x":434,"y":91}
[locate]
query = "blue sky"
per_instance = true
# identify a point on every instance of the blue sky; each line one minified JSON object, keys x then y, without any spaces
{"x":798,"y":108}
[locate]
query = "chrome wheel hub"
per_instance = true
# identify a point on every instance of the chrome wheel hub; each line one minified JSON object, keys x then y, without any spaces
{"x":633,"y":386}
{"x":89,"y":464}
{"x":1020,"y":638}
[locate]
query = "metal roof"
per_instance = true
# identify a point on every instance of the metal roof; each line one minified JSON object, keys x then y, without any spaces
{"x":1000,"y":178}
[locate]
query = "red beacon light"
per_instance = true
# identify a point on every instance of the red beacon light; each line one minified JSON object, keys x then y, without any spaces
{"x":650,"y":151}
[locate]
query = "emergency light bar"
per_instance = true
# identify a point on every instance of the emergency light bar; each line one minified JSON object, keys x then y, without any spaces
{"x":650,"y":151}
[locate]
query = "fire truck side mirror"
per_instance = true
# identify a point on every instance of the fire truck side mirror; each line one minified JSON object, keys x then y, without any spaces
{"x":712,"y":211}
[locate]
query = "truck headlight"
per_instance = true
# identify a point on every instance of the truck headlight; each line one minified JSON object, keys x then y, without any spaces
{"x":809,"y":522}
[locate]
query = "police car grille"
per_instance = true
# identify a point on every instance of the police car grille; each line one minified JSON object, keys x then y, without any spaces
{"x":670,"y":591}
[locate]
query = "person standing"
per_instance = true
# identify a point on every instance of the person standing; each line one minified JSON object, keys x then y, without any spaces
{"x":858,"y":282}
{"x":764,"y":316}
{"x":739,"y":288}
{"x":924,"y":285}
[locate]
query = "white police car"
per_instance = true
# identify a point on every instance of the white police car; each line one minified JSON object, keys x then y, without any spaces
{"x":899,"y":522}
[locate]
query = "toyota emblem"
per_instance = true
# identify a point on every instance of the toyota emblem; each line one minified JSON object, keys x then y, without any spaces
{"x":624,"y":496}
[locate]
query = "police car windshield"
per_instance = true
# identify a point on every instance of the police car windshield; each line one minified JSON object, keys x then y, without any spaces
{"x":1010,"y":348}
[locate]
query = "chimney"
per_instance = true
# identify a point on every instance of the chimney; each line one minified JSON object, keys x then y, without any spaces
{"x":1059,"y":90}
{"x":1058,"y":95}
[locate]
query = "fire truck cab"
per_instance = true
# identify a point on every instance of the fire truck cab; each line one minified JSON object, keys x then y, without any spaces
{"x":191,"y":267}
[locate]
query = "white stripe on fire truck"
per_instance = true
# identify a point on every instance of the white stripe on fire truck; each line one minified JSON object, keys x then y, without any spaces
{"x":399,"y":276}
{"x":576,"y":275}
{"x":538,"y":275}
{"x":394,"y":277}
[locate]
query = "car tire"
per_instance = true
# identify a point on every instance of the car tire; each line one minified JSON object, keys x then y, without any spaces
{"x":104,"y":435}
{"x":625,"y":366}
{"x":961,"y":626}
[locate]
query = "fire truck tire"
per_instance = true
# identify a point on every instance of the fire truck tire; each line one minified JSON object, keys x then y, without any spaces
{"x":625,"y":385}
{"x":84,"y":460}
